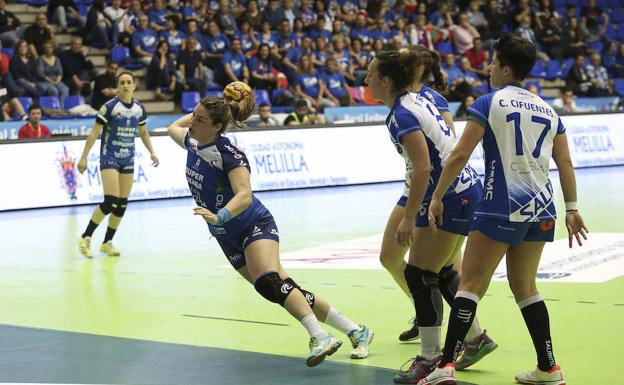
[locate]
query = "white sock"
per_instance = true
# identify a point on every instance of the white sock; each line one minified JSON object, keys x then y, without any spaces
{"x":340,"y":322}
{"x":474,"y":331}
{"x":312,"y":325}
{"x":430,"y":341}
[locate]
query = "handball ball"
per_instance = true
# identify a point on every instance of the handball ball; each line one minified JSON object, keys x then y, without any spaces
{"x":237,"y":91}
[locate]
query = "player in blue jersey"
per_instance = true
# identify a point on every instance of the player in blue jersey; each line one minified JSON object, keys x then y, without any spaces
{"x":120,"y":120}
{"x":424,"y":140}
{"x":218,"y":176}
{"x":516,"y":215}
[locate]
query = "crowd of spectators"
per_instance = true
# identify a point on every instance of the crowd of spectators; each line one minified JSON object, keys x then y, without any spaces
{"x":315,"y":51}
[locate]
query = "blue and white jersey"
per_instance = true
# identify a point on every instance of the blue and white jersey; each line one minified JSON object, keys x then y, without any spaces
{"x":435,"y":98}
{"x":411,"y":112}
{"x":121,"y":124}
{"x":207,"y":169}
{"x":519,"y":131}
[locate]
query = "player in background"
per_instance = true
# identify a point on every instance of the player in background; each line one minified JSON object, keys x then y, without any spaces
{"x":119,"y":119}
{"x":218,"y":175}
{"x":516,"y":215}
{"x":424,"y":140}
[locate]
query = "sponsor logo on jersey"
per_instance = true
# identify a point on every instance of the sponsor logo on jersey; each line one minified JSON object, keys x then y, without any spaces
{"x":489,"y":183}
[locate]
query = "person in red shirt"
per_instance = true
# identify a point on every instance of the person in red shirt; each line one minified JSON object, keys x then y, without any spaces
{"x":478,"y":58}
{"x":33,"y":129}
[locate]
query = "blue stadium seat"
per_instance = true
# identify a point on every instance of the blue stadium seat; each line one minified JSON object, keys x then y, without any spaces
{"x":596,"y":46}
{"x":8,"y":51}
{"x":619,"y":86}
{"x":73,"y":101}
{"x":36,"y":3}
{"x":566,"y":65}
{"x":535,"y":83}
{"x":262,"y":96}
{"x":445,"y":48}
{"x":121,"y":54}
{"x":611,"y":32}
{"x":26,"y":102}
{"x":189,"y":101}
{"x":50,"y":102}
{"x":214,"y":87}
{"x":553,"y":70}
{"x":617,"y":15}
{"x":213,"y":93}
{"x":621,"y":32}
{"x":559,"y":3}
{"x":538,"y":71}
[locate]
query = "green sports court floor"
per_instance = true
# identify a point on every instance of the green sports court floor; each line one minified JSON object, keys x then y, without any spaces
{"x":171,"y":311}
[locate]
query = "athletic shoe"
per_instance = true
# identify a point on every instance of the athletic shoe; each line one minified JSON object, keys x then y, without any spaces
{"x":109,"y":249}
{"x":410,"y":334}
{"x":360,"y":339}
{"x":419,"y":368}
{"x":84,"y":244}
{"x":473,"y":351}
{"x":321,"y":347}
{"x":552,"y":377}
{"x":441,"y":376}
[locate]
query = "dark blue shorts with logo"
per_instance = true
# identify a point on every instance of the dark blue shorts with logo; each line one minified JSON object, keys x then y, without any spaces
{"x":123,"y":166}
{"x":514,"y":233}
{"x":234,"y":244}
{"x":458,"y":210}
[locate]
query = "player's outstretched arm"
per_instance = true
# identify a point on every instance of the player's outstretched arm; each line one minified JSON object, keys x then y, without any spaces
{"x":178,"y":129}
{"x":145,"y":137}
{"x":574,"y":220}
{"x":91,"y":138}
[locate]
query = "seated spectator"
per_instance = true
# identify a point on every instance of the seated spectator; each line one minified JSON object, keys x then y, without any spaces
{"x":298,"y":32}
{"x":463,"y":33}
{"x":343,"y":57}
{"x":247,"y":38}
{"x":191,"y":71}
{"x":105,"y":87}
{"x":306,"y":13}
{"x":609,"y":56}
{"x":273,"y":13}
{"x":477,"y":19}
{"x":77,"y":70}
{"x":565,"y":104}
{"x":574,"y":40}
{"x":309,"y":86}
{"x":496,"y":17}
{"x":173,"y":36}
{"x":34,"y":129}
{"x":319,"y":30}
{"x":267,"y":36}
{"x":290,"y":62}
{"x":599,"y":77}
{"x":50,"y":74}
{"x":336,"y":88}
{"x":128,"y":23}
{"x":289,"y":10}
{"x":10,"y":106}
{"x":284,"y":43}
{"x":158,"y":16}
{"x":401,"y":33}
{"x":9,"y":26}
{"x":161,"y":74}
{"x":235,"y":63}
{"x":261,"y":70}
{"x":469,"y":76}
{"x":62,"y":11}
{"x":100,"y":30}
{"x":301,"y":115}
{"x":321,"y":54}
{"x":552,"y":39}
{"x":578,"y":78}
{"x":420,"y":33}
{"x":23,"y":69}
{"x":227,"y":19}
{"x":618,"y":65}
{"x":361,"y":31}
{"x":193,"y":30}
{"x":459,"y":88}
{"x":593,"y":12}
{"x":144,"y":41}
{"x":521,"y":11}
{"x":217,"y":43}
{"x":377,"y":47}
{"x":381,"y":31}
{"x":37,"y":34}
{"x":253,"y":16}
{"x":525,"y":31}
{"x":478,"y":58}
{"x":462,"y":111}
{"x":359,"y":61}
{"x":266,"y":117}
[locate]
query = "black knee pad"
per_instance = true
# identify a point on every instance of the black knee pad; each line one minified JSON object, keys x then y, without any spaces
{"x":273,"y":288}
{"x":109,"y":204}
{"x":121,"y":207}
{"x":449,"y":282}
{"x":425,"y":289}
{"x":309,"y":296}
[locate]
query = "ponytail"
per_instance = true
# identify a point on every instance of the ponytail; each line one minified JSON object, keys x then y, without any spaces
{"x":439,"y":81}
{"x":400,"y":66}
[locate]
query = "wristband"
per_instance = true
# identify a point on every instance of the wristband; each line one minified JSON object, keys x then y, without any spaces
{"x":570,"y":206}
{"x":223,"y":215}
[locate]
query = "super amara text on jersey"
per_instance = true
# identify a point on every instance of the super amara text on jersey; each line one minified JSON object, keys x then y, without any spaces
{"x":194,"y":178}
{"x":527,"y":106}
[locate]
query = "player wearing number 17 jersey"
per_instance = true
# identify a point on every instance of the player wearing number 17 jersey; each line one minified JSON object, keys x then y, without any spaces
{"x":516,"y":215}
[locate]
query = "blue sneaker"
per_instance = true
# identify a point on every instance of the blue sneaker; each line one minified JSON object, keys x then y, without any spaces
{"x":321,"y":347}
{"x":360,"y":339}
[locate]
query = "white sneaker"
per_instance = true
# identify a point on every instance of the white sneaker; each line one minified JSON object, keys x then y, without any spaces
{"x":84,"y":245}
{"x":552,"y":377}
{"x":441,"y":376}
{"x":109,"y":249}
{"x":360,"y":339}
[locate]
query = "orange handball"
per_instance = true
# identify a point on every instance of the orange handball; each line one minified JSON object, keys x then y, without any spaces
{"x":237,"y":91}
